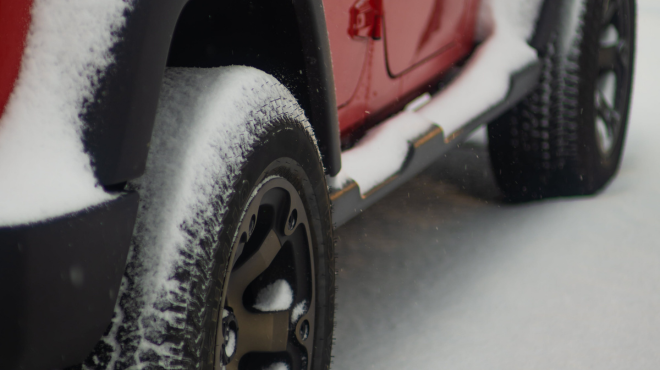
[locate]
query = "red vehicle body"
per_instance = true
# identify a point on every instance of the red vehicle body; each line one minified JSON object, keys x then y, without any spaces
{"x":14,"y":25}
{"x":375,"y":75}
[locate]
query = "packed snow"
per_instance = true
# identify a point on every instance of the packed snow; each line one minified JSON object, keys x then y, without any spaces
{"x":298,"y":311}
{"x":504,"y":52}
{"x":207,"y":122}
{"x":505,"y":26}
{"x":277,"y":296}
{"x":230,"y":343}
{"x":381,"y":152}
{"x":45,"y":170}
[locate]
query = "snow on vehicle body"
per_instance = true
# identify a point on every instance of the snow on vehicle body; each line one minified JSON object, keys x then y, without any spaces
{"x":103,"y":126}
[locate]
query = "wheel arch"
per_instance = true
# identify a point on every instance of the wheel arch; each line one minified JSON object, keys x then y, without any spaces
{"x":121,"y":115}
{"x":557,"y":18}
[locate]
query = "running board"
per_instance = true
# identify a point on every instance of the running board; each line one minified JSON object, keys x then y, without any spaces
{"x":349,"y":202}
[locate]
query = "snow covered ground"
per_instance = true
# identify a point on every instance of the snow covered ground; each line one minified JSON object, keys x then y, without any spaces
{"x":440,"y":275}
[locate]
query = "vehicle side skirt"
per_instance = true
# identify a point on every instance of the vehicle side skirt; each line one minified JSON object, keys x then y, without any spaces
{"x":348,"y":202}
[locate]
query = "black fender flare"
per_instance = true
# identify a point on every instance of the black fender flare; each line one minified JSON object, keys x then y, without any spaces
{"x":557,"y":18}
{"x":120,"y":118}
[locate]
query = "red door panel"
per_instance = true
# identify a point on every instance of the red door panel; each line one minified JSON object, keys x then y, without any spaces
{"x":348,"y":54}
{"x":366,"y":91}
{"x":463,"y":38}
{"x":14,"y":24}
{"x":418,"y":29}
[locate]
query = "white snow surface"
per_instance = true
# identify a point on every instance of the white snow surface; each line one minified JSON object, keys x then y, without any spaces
{"x":381,"y":152}
{"x":277,"y":296}
{"x":45,"y":171}
{"x":207,"y":122}
{"x":519,"y":16}
{"x":277,"y":366}
{"x":505,"y":25}
{"x":298,"y":311}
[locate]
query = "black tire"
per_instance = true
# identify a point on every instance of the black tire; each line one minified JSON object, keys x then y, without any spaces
{"x":287,"y":152}
{"x":553,"y":142}
{"x":225,"y":152}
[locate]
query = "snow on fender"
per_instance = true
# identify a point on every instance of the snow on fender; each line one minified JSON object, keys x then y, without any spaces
{"x":45,"y":170}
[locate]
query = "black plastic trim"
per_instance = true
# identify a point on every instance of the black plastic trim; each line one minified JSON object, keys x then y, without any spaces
{"x":546,"y":25}
{"x":318,"y":62}
{"x":348,"y":202}
{"x":59,"y":281}
{"x":120,"y":118}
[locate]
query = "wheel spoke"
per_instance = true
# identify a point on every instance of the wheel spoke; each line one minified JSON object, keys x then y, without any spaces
{"x":258,"y":262}
{"x":611,"y":8}
{"x":607,"y":113}
{"x":258,"y":332}
{"x":623,"y":53}
{"x":264,"y":330}
{"x":608,"y":56}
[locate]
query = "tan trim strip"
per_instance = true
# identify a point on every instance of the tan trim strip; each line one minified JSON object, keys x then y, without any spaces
{"x":343,"y":191}
{"x":379,"y":186}
{"x":453,"y":136}
{"x":426,"y":138}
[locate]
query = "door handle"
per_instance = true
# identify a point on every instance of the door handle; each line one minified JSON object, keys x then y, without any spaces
{"x":366,"y":18}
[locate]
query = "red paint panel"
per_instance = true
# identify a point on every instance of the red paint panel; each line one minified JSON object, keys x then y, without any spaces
{"x":348,"y":54}
{"x":14,"y":25}
{"x":418,"y":29}
{"x":463,"y":39}
{"x":365,"y":90}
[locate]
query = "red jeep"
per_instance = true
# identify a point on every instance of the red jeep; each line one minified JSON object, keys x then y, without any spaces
{"x":171,"y":171}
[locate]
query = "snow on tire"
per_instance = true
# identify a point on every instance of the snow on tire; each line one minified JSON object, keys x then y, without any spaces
{"x":222,"y":135}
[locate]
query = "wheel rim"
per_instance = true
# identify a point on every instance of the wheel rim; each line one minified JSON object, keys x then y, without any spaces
{"x":270,"y":290}
{"x":614,"y":74}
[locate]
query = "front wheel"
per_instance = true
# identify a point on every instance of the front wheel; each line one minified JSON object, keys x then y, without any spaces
{"x":232,"y":262}
{"x":277,"y":306}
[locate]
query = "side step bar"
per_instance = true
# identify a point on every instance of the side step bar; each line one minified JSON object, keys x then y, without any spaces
{"x":349,"y":202}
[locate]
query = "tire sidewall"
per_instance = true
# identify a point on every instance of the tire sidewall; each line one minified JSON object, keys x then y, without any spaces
{"x":287,"y":151}
{"x":596,"y":169}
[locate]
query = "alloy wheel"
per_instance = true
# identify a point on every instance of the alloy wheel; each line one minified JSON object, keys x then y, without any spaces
{"x":268,"y":310}
{"x":614,"y":74}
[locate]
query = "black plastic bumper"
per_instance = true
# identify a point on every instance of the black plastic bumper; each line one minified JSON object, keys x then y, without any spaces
{"x":58,"y":284}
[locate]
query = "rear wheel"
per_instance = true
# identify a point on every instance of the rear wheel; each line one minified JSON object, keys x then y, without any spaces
{"x":567,"y":137}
